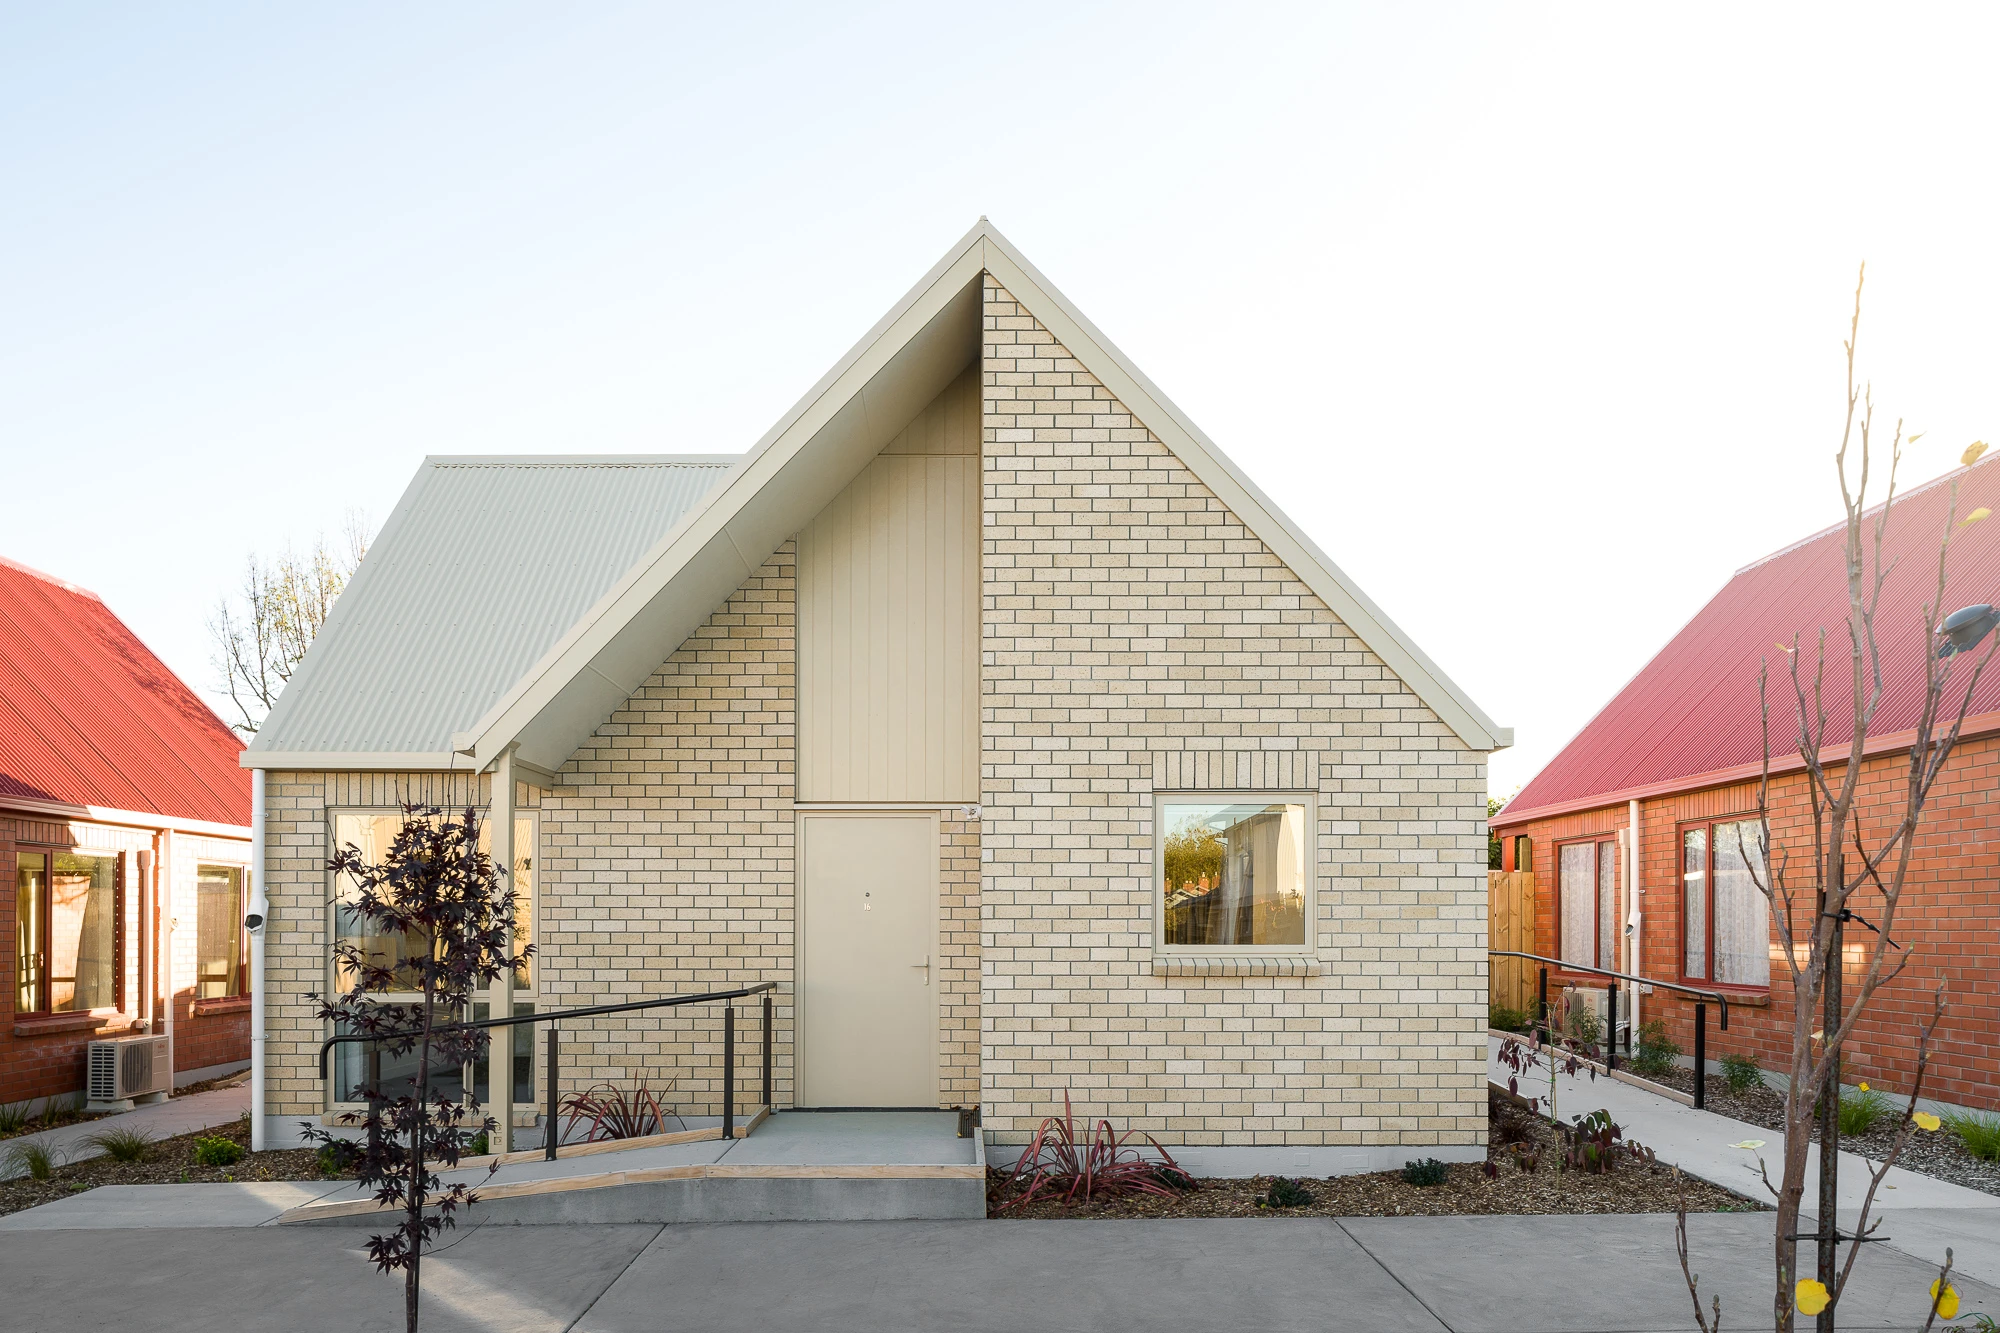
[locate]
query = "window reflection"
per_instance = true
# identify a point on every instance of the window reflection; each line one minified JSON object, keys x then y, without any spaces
{"x":1234,"y":873}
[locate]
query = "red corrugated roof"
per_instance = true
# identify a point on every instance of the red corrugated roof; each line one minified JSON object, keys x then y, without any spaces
{"x":88,"y":716}
{"x":1693,"y":711}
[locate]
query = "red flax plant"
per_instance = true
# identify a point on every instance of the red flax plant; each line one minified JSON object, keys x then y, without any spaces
{"x":436,"y":916}
{"x":1082,"y":1166}
{"x":1849,"y":868}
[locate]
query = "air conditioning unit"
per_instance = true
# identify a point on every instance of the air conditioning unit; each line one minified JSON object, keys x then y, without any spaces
{"x":1593,"y":999}
{"x":128,"y":1067}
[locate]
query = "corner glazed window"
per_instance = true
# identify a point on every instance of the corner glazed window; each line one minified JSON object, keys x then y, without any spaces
{"x":66,"y":935}
{"x":1587,"y":902}
{"x":1234,"y":872}
{"x":1725,"y":915}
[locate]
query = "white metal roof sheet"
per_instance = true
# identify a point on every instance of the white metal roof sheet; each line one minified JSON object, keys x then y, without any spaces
{"x":484,"y":564}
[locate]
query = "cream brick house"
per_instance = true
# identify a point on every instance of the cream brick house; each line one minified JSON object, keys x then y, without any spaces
{"x":983,"y":705}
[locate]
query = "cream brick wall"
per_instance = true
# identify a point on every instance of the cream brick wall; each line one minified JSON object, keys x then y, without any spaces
{"x":1138,"y":637}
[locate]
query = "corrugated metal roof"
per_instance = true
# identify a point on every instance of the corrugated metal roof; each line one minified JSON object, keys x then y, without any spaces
{"x":1693,"y":710}
{"x":88,"y":716}
{"x":481,"y":568}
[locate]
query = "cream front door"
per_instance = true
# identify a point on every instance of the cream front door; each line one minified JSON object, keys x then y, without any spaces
{"x":868,"y":959}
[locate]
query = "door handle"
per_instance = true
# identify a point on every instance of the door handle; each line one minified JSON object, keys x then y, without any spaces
{"x":926,"y":966}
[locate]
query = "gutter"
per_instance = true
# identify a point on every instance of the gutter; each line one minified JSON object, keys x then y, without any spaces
{"x":255,"y":919}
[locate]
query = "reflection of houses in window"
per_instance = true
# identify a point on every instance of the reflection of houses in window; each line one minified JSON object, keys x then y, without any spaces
{"x":1235,"y":874}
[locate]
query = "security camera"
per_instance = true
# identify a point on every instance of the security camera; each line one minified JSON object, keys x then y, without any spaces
{"x":254,"y":921}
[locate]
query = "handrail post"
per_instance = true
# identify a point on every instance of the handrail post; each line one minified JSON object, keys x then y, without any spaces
{"x":767,"y":1050}
{"x":1542,"y":1009}
{"x":1700,"y":1054}
{"x":1610,"y":1028}
{"x":549,"y":1136}
{"x":728,"y":1071}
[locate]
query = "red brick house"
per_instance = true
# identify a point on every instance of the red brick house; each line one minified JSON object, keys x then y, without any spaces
{"x":1675,"y":755}
{"x":124,"y":853}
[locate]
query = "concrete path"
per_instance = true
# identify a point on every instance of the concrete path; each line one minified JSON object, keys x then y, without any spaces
{"x":163,"y":1120}
{"x":1699,"y":1142}
{"x":1381,"y":1275}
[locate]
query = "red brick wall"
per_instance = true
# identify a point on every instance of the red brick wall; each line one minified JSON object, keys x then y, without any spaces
{"x":1949,"y":919}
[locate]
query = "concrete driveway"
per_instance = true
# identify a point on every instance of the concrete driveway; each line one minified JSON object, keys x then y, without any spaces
{"x":1504,"y":1274}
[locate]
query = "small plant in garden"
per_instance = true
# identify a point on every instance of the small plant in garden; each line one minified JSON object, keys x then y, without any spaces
{"x":1429,"y":1171}
{"x":337,"y":1157}
{"x":1287,"y":1193}
{"x":213,"y":1150}
{"x":1081,"y":1163}
{"x":122,"y":1144}
{"x":1862,"y":1109}
{"x":34,"y":1158}
{"x":1741,"y":1073}
{"x":13,"y":1117}
{"x":1979,"y":1131}
{"x":1175,"y":1179}
{"x":1595,"y":1143}
{"x":1581,"y":1022}
{"x":480,"y":1145}
{"x":1656,"y":1052}
{"x":609,"y":1112}
{"x":1503,"y":1018}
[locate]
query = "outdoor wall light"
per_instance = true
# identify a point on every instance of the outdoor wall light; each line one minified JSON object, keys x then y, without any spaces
{"x":1965,"y":627}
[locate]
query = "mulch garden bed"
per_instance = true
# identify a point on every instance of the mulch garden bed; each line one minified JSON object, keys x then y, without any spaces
{"x":1936,"y":1153}
{"x":1632,"y":1187}
{"x":168,"y":1162}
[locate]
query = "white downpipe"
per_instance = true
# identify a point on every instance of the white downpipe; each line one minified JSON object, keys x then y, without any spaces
{"x":1635,"y":933}
{"x":260,"y":907}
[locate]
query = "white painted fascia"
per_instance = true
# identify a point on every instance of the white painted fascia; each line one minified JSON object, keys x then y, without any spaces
{"x":705,"y":528}
{"x":1216,"y":471}
{"x":375,"y":761}
{"x":104,"y":814}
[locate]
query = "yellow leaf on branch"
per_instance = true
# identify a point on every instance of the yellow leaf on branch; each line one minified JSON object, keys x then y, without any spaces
{"x":1972,"y":452}
{"x":1974,"y":516}
{"x":1947,"y":1304}
{"x":1925,"y":1120}
{"x":1810,"y":1296}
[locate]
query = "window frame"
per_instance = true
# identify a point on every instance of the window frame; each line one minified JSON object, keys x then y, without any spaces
{"x":523,"y":995}
{"x":241,"y":978}
{"x":1598,"y":842}
{"x":1707,"y":827}
{"x":45,"y":916}
{"x":1155,"y":895}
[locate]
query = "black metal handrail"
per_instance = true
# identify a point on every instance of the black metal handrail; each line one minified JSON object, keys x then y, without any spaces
{"x":552,"y":1070}
{"x":1702,"y":998}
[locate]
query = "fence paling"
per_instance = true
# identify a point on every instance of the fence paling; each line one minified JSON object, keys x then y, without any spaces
{"x":1510,"y":900}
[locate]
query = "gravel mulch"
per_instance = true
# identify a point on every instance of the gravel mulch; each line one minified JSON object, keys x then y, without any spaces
{"x":1939,"y":1154}
{"x":168,"y":1162}
{"x":1633,"y":1187}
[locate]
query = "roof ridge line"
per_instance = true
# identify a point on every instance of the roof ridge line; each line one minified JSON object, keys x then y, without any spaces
{"x":1871,"y":511}
{"x":49,"y":578}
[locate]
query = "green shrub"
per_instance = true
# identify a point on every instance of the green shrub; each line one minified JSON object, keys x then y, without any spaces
{"x":1656,"y":1051}
{"x":1286,"y":1193}
{"x":337,"y":1158}
{"x":1861,"y":1110}
{"x":479,"y":1146}
{"x":122,"y":1144}
{"x":1979,"y":1131}
{"x":1741,"y":1073}
{"x":33,"y":1158}
{"x":1501,"y":1018}
{"x":1430,"y":1171}
{"x":214,"y":1151}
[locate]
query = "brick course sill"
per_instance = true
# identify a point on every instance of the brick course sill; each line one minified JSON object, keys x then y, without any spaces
{"x":1239,"y":965}
{"x":222,"y":1004}
{"x":107,"y":1022}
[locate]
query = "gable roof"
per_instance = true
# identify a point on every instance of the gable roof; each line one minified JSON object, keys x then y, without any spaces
{"x":90,"y":720}
{"x":814,"y":450}
{"x":484,"y":563}
{"x":1691,"y":717}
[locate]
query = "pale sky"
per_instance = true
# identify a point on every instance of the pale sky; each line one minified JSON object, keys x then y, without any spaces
{"x":1530,"y":315}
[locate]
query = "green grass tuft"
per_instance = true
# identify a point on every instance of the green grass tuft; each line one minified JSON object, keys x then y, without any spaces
{"x":1430,"y":1171}
{"x":1979,"y":1131}
{"x":32,"y":1157}
{"x":123,"y":1145}
{"x":1862,"y":1111}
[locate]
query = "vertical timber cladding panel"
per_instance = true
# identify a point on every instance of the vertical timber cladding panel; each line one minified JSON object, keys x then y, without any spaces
{"x":1128,"y":613}
{"x":1510,"y":900}
{"x":889,"y":619}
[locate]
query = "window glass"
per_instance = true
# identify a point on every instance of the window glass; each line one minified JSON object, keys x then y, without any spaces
{"x":524,"y":896}
{"x":1694,"y":897}
{"x":522,"y":1039}
{"x":218,"y":931}
{"x":399,"y":1073}
{"x":1742,"y":912}
{"x":1577,"y":873}
{"x":1234,"y":873}
{"x":83,"y":932}
{"x":1607,"y":905}
{"x":31,"y":872}
{"x":372,"y":832}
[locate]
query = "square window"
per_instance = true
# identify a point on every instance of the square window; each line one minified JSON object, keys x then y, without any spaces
{"x":1234,"y":871}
